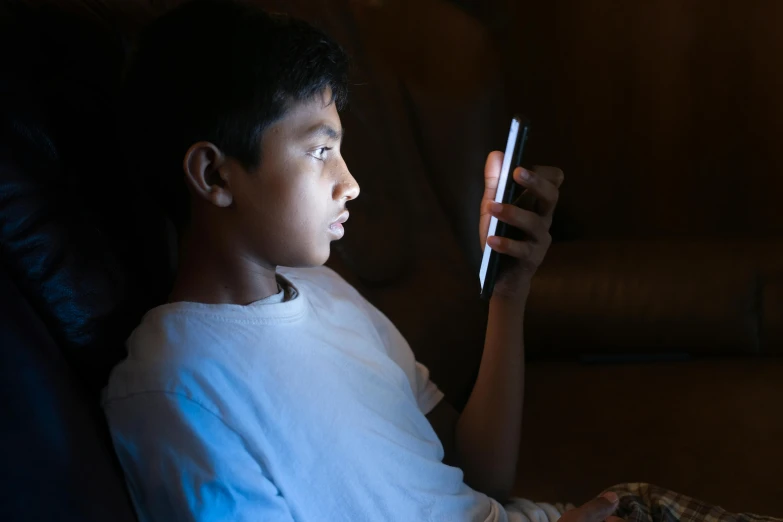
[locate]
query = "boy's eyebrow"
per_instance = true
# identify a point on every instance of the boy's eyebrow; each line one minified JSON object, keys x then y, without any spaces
{"x":323,"y":129}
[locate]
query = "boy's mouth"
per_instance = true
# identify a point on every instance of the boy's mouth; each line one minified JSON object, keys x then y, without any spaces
{"x":336,"y":228}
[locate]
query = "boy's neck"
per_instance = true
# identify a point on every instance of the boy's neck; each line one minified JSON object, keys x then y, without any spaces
{"x":212,"y":272}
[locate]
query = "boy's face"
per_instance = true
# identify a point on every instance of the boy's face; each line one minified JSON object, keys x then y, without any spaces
{"x":289,"y":210}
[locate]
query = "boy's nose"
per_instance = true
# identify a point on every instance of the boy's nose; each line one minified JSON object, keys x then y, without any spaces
{"x":353,"y":190}
{"x":348,"y":188}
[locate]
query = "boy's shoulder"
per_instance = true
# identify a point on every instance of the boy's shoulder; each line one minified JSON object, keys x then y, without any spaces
{"x":183,"y":334}
{"x":178,"y":347}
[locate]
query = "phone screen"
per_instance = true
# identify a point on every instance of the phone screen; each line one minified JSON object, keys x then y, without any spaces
{"x":506,"y":193}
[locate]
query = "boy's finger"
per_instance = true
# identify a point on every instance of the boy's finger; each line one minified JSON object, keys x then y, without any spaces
{"x":520,"y":250}
{"x":544,"y":190}
{"x":534,"y":226}
{"x":553,"y":174}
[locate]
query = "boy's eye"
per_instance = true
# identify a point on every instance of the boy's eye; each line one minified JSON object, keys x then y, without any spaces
{"x":320,"y":153}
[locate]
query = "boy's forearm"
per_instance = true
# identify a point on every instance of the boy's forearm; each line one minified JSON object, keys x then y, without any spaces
{"x":488,"y":430}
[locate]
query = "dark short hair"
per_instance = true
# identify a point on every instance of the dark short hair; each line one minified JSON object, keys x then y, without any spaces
{"x":220,"y":71}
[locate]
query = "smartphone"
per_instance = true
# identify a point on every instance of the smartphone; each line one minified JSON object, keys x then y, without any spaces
{"x":508,"y":192}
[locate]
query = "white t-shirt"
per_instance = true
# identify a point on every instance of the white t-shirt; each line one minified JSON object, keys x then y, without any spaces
{"x":308,"y":406}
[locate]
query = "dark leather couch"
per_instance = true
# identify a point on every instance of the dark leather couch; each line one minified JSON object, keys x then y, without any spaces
{"x":76,"y":267}
{"x":84,"y":254}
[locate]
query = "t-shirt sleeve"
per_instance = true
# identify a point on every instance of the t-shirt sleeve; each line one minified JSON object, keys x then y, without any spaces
{"x":182,"y":462}
{"x":427,"y":394}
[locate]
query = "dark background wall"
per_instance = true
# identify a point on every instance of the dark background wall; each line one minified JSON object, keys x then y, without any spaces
{"x":665,"y":115}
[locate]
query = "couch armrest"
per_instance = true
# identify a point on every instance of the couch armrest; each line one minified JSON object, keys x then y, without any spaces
{"x":772,"y":312}
{"x":652,"y":297}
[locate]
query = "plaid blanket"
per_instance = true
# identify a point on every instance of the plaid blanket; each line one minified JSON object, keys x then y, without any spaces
{"x":648,"y":503}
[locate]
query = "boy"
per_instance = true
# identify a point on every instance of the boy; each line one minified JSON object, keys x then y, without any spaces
{"x":266,"y":394}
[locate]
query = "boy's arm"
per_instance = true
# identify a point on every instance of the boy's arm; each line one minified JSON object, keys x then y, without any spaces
{"x":488,"y":431}
{"x":484,"y":439}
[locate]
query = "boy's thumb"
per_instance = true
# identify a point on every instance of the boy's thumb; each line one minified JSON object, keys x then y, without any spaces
{"x":611,"y":496}
{"x":599,"y":509}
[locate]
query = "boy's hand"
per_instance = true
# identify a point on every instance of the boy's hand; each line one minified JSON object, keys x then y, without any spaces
{"x":527,"y":253}
{"x":597,"y":510}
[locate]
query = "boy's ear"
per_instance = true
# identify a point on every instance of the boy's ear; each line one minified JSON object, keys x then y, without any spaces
{"x":203,"y":165}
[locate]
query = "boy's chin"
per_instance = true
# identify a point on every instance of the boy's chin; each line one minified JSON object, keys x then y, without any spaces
{"x":320,"y":261}
{"x":314,"y":259}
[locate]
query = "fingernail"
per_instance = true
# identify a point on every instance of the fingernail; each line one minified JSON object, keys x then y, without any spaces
{"x":524,"y":174}
{"x":493,"y":241}
{"x":611,"y":496}
{"x":495,"y":207}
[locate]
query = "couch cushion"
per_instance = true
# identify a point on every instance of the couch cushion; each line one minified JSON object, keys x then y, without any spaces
{"x":649,"y":296}
{"x":710,"y":429}
{"x":772,"y":314}
{"x":74,"y":231}
{"x":57,"y":458}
